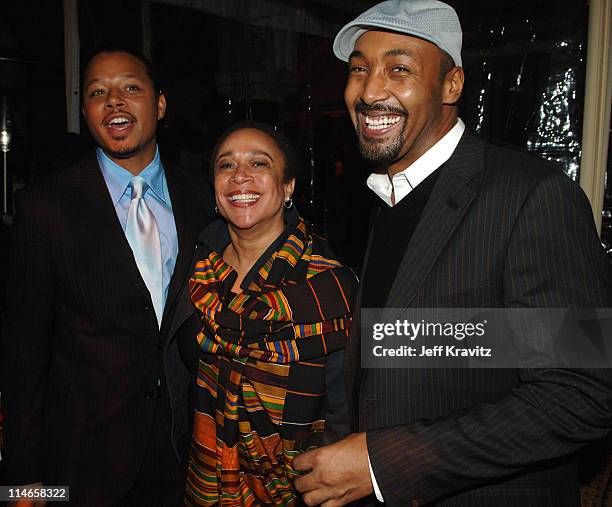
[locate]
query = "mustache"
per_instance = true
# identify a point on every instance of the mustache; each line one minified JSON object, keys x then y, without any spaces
{"x":362,"y":107}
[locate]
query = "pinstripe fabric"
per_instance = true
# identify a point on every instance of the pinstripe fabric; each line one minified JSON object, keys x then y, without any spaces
{"x":82,"y":352}
{"x":500,"y":229}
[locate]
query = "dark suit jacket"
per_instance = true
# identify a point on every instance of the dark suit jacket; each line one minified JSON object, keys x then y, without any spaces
{"x":82,"y":351}
{"x":501,"y":229}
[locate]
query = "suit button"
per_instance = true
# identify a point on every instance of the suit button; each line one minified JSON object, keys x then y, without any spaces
{"x":147,"y":307}
{"x":149,"y":394}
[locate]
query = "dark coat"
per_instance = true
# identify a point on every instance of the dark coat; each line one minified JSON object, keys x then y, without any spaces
{"x":501,"y":229}
{"x":82,"y":352}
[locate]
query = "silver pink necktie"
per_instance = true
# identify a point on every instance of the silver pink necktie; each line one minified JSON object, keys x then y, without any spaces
{"x":142,"y":234}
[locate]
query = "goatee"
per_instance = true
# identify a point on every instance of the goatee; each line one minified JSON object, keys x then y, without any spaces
{"x":379,"y":151}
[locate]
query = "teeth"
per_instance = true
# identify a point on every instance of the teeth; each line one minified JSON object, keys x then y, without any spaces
{"x":244,"y":197}
{"x":381,"y":122}
{"x":118,"y":121}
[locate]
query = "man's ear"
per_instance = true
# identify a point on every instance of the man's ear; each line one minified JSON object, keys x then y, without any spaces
{"x":161,"y":105}
{"x":452,"y":86}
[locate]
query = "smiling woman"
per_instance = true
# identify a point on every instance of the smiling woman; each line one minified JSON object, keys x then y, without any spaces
{"x":275,"y":311}
{"x":250,"y":186}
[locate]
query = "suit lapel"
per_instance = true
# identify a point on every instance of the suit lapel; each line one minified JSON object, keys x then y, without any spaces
{"x":187,"y":220}
{"x":96,"y":209}
{"x":450,"y":199}
{"x":352,"y":363}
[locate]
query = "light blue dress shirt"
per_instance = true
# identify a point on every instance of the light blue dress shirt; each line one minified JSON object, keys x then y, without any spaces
{"x":157,"y":198}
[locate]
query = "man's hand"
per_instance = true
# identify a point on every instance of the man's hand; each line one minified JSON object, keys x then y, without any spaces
{"x":338,"y":473}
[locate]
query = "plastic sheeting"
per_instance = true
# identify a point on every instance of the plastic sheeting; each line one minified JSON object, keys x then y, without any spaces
{"x":526,"y":88}
{"x":557,"y":127}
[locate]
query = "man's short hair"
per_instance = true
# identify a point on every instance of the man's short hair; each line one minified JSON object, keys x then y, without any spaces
{"x":149,"y":69}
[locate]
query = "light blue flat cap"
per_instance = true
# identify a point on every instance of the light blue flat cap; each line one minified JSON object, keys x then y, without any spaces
{"x":431,"y":20}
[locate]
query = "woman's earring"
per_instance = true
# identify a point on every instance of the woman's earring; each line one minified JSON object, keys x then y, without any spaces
{"x":288,"y":203}
{"x":216,"y":210}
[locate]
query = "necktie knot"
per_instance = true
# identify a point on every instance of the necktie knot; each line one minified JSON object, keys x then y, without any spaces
{"x":139,"y":187}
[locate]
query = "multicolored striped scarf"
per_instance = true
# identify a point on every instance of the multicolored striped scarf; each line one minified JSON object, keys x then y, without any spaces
{"x":261,"y":375}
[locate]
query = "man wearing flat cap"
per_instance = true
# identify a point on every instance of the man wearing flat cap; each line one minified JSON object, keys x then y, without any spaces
{"x":463,"y":223}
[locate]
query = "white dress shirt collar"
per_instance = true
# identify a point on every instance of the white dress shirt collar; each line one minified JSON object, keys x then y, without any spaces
{"x":405,"y":181}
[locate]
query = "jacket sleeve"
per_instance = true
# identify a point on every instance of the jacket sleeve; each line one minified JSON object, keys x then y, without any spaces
{"x":337,"y":416}
{"x":26,"y":342}
{"x":554,"y":259}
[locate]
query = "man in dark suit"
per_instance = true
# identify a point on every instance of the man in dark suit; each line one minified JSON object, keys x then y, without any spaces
{"x":93,"y":389}
{"x":463,"y":224}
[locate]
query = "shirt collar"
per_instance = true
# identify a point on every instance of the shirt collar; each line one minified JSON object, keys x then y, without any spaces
{"x":118,"y":178}
{"x":406,"y":181}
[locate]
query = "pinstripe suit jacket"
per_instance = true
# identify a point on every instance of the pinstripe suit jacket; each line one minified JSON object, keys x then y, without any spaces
{"x":81,"y":345}
{"x":501,"y":229}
